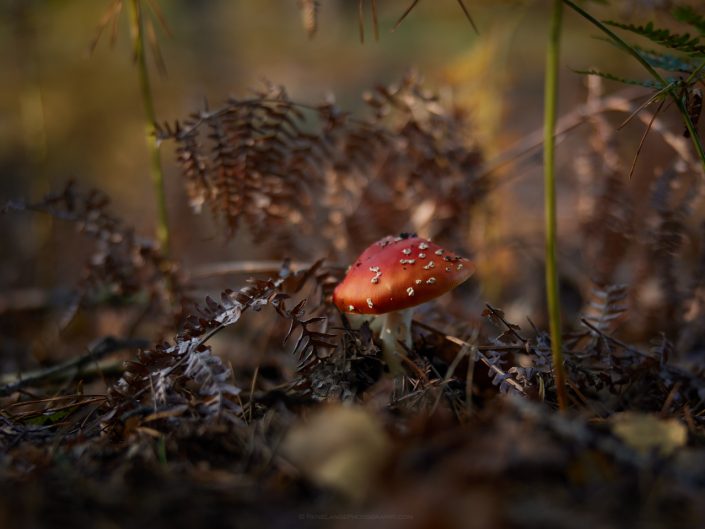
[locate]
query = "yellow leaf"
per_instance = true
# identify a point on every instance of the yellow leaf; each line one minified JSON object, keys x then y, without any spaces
{"x":340,"y":447}
{"x":647,"y":433}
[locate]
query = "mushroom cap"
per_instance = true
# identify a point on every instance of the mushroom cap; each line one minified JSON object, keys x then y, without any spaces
{"x":396,"y":273}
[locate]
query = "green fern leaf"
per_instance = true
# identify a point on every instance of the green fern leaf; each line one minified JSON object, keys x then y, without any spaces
{"x":682,"y":42}
{"x":665,"y":61}
{"x":687,"y":15}
{"x":646,"y":83}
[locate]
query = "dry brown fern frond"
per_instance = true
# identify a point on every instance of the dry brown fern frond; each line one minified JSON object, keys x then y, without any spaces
{"x":605,"y":205}
{"x":410,"y":164}
{"x":122,"y":264}
{"x":666,"y":244}
{"x":414,"y":166}
{"x":187,"y":372}
{"x":255,"y":163}
{"x":606,"y":306}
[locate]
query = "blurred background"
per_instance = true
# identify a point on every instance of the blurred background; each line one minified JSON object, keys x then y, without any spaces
{"x":69,"y":114}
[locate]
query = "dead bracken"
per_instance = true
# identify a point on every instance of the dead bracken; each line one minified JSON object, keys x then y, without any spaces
{"x":310,"y":390}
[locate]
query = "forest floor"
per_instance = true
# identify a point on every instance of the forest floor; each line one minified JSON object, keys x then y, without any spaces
{"x":173,"y":439}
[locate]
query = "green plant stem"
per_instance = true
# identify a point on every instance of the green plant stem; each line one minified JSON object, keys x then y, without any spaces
{"x":552,"y":292}
{"x":155,"y":164}
{"x":672,"y":92}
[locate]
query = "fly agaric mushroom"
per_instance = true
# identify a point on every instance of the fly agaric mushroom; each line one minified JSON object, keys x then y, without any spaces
{"x":394,"y":275}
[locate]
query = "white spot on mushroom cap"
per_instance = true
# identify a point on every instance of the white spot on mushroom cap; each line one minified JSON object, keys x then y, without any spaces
{"x":407,"y":261}
{"x":410,"y":291}
{"x":431,"y":280}
{"x":369,"y":302}
{"x":418,"y":281}
{"x":423,"y":246}
{"x":406,"y":251}
{"x":447,"y":268}
{"x":439,"y":251}
{"x":459,"y":267}
{"x":377,"y":273}
{"x":430,"y":265}
{"x":351,"y":308}
{"x":387,"y":241}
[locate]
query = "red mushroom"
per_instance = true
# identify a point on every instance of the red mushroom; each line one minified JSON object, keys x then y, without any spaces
{"x":394,"y":275}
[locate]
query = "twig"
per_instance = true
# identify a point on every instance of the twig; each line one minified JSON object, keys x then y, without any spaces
{"x":516,"y":347}
{"x":509,"y":326}
{"x":243,"y":267}
{"x":480,"y":356}
{"x":36,"y":413}
{"x":469,"y":350}
{"x":469,"y":379}
{"x":253,"y":385}
{"x":492,"y":367}
{"x":55,"y":398}
{"x":674,"y":370}
{"x":103,"y":348}
{"x":614,"y":340}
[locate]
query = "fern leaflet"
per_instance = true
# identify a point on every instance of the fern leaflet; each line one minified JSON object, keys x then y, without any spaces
{"x":682,"y":42}
{"x":646,"y":83}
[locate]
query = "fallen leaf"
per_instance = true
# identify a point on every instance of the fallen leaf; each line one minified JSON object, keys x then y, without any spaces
{"x":647,"y":433}
{"x":340,"y":447}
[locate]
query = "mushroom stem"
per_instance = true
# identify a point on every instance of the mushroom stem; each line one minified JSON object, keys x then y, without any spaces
{"x":396,"y":327}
